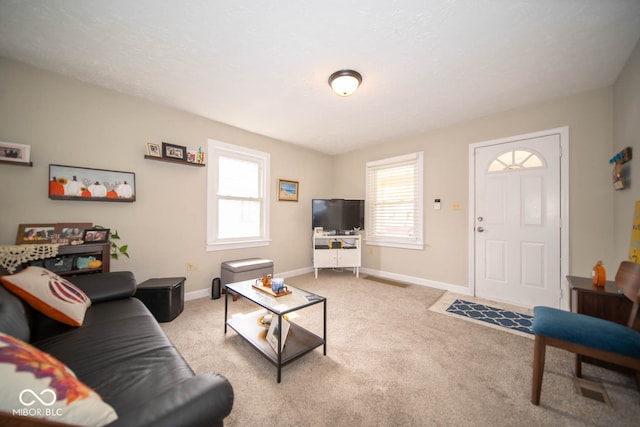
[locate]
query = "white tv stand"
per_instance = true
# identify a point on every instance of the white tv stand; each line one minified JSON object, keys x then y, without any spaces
{"x":337,"y":251}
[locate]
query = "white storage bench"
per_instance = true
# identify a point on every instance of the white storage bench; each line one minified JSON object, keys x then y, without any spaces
{"x":244,"y":269}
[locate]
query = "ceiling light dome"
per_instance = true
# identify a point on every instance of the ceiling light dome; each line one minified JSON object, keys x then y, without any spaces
{"x":345,"y":82}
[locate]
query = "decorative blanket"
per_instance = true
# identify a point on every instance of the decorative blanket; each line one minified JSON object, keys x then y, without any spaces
{"x":11,"y":256}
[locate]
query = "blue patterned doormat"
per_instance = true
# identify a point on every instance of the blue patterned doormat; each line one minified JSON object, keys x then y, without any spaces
{"x":497,"y":316}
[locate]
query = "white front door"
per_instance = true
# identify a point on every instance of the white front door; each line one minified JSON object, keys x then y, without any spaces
{"x":517,"y":221}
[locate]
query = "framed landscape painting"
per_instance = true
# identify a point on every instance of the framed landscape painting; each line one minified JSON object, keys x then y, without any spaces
{"x":287,"y":190}
{"x":85,"y":184}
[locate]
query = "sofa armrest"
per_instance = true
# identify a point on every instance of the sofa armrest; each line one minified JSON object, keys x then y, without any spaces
{"x":202,"y":400}
{"x":106,"y":286}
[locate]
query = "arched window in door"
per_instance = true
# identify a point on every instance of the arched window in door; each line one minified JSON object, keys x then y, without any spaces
{"x":514,"y":160}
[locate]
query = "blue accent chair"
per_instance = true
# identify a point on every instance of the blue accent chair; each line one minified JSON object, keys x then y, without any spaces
{"x":589,"y":336}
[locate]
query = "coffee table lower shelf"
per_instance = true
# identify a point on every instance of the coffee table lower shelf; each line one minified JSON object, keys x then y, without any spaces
{"x":298,"y":343}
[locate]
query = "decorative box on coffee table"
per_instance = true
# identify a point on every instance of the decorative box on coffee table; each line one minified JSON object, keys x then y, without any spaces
{"x":164,"y":297}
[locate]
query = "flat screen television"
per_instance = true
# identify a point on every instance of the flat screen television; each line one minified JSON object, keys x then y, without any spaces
{"x":337,"y":214}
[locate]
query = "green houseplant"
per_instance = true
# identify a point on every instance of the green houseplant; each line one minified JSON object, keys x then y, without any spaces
{"x":117,"y":250}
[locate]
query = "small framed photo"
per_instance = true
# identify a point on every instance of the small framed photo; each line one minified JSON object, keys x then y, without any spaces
{"x":67,"y":232}
{"x":100,"y":235}
{"x":287,"y":190}
{"x":35,"y":233}
{"x":192,"y":155}
{"x":318,"y":230}
{"x":172,"y":151}
{"x":11,"y":152}
{"x":153,"y":149}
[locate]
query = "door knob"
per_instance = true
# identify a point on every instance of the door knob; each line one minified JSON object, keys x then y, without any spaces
{"x":480,"y":229}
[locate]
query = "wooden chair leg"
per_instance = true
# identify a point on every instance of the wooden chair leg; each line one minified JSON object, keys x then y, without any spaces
{"x":578,"y":369}
{"x":539,"y":353}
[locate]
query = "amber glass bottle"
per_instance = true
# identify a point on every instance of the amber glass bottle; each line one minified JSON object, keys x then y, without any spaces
{"x":599,"y":274}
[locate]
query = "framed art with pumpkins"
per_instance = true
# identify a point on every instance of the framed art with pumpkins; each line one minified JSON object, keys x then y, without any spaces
{"x":86,"y":184}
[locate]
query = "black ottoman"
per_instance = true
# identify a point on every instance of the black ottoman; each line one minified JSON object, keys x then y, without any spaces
{"x":164,"y":297}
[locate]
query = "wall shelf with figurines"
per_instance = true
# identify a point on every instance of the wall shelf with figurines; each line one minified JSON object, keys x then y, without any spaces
{"x":172,"y":153}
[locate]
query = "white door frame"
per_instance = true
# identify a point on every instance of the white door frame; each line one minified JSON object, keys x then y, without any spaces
{"x":564,"y":205}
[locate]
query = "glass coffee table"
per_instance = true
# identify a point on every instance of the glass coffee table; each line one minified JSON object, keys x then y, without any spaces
{"x":299,"y":341}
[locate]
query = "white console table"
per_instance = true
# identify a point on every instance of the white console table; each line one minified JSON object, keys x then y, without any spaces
{"x":337,"y":251}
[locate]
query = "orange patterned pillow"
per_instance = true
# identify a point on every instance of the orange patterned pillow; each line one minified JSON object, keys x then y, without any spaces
{"x":36,"y":384}
{"x":50,"y":294}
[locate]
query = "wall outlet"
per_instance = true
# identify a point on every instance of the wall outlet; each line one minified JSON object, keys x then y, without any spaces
{"x":455,"y":206}
{"x":190,"y":266}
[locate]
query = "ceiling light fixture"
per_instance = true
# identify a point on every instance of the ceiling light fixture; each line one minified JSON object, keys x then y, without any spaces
{"x":345,"y":82}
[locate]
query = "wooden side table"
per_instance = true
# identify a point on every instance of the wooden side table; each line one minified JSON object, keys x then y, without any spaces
{"x":605,"y":303}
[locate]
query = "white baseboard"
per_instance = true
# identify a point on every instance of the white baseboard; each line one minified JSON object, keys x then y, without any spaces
{"x":293,"y":273}
{"x":463,"y":290}
{"x":206,"y":293}
{"x":201,"y":293}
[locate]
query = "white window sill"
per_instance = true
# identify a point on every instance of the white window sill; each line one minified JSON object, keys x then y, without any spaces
{"x":414,"y":246}
{"x":237,"y":245}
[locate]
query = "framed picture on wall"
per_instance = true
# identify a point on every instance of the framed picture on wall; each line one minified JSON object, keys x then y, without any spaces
{"x":287,"y":190}
{"x":85,"y":184}
{"x":172,"y":151}
{"x":153,"y":149}
{"x":11,"y":152}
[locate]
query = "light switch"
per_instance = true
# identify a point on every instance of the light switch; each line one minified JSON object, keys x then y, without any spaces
{"x":436,"y":204}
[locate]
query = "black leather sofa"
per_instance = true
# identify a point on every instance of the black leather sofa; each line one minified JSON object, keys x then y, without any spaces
{"x":122,"y":353}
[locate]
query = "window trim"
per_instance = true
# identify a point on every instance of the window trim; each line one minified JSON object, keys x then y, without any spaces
{"x":403,"y":243}
{"x":215,"y":149}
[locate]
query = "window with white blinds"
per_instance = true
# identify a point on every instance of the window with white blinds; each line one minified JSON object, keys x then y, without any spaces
{"x":237,"y":199}
{"x":394,"y":206}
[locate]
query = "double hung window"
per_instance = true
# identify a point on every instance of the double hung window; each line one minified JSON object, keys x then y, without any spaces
{"x":394,"y":206}
{"x":237,"y":197}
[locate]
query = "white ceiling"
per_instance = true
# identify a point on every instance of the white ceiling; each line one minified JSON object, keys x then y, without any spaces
{"x":263,"y":65}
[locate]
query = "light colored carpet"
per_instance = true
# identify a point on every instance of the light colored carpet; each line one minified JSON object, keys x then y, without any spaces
{"x":393,"y":362}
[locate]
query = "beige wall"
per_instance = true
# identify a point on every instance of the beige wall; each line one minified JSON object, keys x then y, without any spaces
{"x":71,"y":123}
{"x":445,"y":258}
{"x":626,"y":133}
